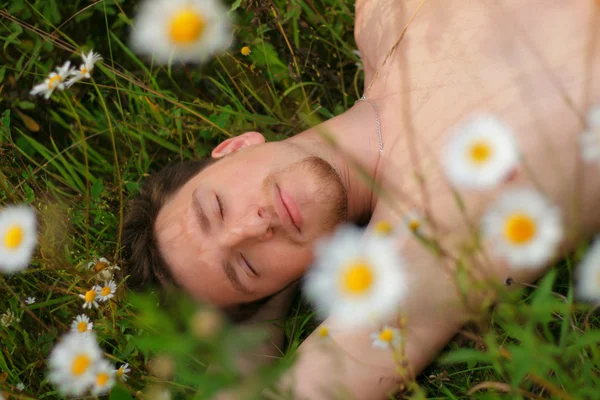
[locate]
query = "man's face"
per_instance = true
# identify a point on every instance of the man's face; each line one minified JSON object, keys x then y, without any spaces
{"x":244,"y":227}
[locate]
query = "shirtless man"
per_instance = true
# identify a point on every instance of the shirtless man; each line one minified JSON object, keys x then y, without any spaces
{"x":225,"y":236}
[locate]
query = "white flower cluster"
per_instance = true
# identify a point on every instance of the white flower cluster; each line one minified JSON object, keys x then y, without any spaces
{"x":65,"y":76}
{"x":78,"y":365}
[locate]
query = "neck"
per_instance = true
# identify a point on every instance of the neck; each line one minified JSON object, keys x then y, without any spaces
{"x":355,"y":142}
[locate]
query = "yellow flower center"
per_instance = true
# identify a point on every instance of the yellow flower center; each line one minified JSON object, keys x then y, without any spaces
{"x":101,"y":379}
{"x":414,"y":225}
{"x":90,"y":296}
{"x":383,"y":228}
{"x":186,"y":27}
{"x":106,"y":291}
{"x":55,"y":80}
{"x":386,"y":335}
{"x":480,"y":152}
{"x":14,"y":237}
{"x":357,"y":278}
{"x":84,"y":70}
{"x":323,"y":331}
{"x":82,"y":326}
{"x":80,"y":364}
{"x":100,"y":265}
{"x":519,"y":228}
{"x":245,"y":51}
{"x":120,"y":372}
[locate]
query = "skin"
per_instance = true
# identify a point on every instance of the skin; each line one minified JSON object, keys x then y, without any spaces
{"x":530,"y":64}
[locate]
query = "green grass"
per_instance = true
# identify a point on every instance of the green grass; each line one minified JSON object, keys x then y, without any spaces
{"x":80,"y":156}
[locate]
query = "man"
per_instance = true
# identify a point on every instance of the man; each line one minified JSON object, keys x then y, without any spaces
{"x":243,"y":227}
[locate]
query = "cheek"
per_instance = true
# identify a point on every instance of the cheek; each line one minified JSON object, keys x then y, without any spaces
{"x":287,"y":265}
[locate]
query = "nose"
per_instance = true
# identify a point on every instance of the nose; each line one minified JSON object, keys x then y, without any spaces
{"x":256,"y":225}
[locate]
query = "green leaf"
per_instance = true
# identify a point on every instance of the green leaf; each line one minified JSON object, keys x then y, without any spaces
{"x":465,"y":355}
{"x":26,"y":105}
{"x":118,"y":392}
{"x":235,"y":5}
{"x":97,"y":188}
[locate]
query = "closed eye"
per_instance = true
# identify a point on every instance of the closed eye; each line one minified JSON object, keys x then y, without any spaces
{"x":248,"y":264}
{"x":220,"y":203}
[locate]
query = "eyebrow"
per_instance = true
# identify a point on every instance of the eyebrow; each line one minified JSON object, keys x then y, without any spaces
{"x":233,"y":277}
{"x":202,"y":217}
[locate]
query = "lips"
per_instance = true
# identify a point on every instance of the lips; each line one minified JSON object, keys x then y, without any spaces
{"x":288,"y":211}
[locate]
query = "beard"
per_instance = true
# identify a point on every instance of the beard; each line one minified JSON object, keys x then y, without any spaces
{"x":329,"y":195}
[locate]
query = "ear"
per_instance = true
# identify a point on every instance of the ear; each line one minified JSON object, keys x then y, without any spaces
{"x":239,"y":142}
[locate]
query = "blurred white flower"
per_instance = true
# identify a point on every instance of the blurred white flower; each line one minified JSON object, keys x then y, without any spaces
{"x":104,"y":378}
{"x":73,"y":363}
{"x":9,"y":318}
{"x":20,"y":386}
{"x":18,"y":237}
{"x":90,"y":298}
{"x":107,"y":291}
{"x":387,"y":338}
{"x":82,"y":324}
{"x":181,"y":30}
{"x":524,"y":227}
{"x":85,"y":69}
{"x":123,"y":372}
{"x":30,"y":300}
{"x":590,"y":138}
{"x":56,"y":80}
{"x":588,"y":275}
{"x":481,"y":153}
{"x":356,"y":278}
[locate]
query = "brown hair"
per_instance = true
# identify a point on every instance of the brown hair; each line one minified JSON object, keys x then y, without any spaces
{"x":145,"y":264}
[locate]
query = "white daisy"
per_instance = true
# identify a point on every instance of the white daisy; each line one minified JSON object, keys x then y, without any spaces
{"x":56,"y":80}
{"x":104,"y":378}
{"x":82,"y":324}
{"x":356,"y":277}
{"x":523,"y":227}
{"x":18,"y":237}
{"x":481,"y":153}
{"x":185,"y":30}
{"x":590,"y":138}
{"x":73,"y":363}
{"x":20,"y":386}
{"x":85,"y":69}
{"x":103,"y":268}
{"x":90,"y":298}
{"x":30,"y":300}
{"x":122,"y":372}
{"x":588,"y":275}
{"x":107,"y":291}
{"x":386,"y":338}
